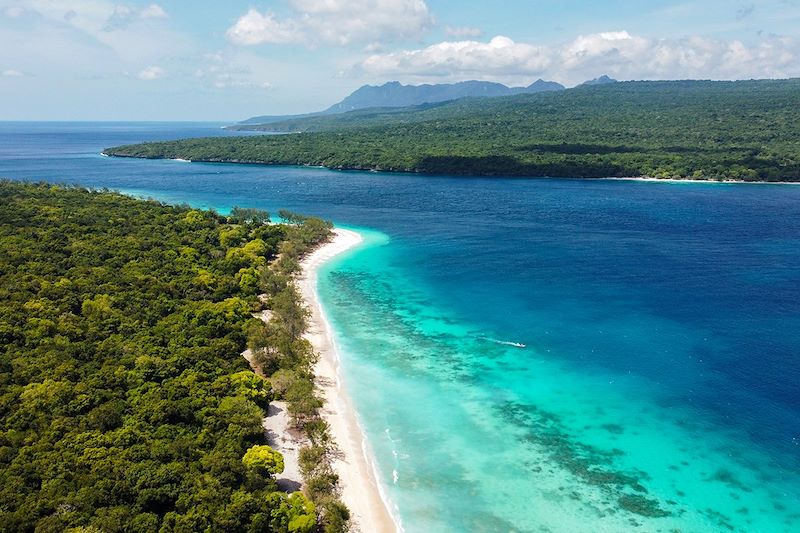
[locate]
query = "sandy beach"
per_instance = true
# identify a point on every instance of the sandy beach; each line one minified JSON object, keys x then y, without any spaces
{"x":360,"y":488}
{"x":688,"y":180}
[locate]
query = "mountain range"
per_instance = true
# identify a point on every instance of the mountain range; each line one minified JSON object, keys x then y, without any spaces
{"x":394,"y":95}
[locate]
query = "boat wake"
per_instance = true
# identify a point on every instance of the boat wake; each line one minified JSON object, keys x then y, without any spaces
{"x":504,"y":343}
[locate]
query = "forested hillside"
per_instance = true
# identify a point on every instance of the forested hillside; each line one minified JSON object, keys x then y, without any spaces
{"x":125,"y":404}
{"x":694,"y":129}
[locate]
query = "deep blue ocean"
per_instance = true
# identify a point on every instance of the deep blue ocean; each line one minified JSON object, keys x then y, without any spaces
{"x":659,"y":389}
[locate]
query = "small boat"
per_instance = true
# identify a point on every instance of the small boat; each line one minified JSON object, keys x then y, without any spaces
{"x":505,"y":343}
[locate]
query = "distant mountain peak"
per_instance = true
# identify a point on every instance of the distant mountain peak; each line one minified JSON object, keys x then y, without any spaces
{"x":396,"y":94}
{"x":541,"y":85}
{"x":602,"y":80}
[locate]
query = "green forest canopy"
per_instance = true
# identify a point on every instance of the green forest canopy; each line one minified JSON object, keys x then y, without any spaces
{"x":685,"y":129}
{"x":125,"y":404}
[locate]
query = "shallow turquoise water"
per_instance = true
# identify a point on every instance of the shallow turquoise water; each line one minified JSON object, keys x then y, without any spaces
{"x":473,"y":435}
{"x":658,"y":387}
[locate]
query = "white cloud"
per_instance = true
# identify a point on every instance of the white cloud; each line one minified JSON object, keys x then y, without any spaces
{"x":13,"y":12}
{"x":153,"y":11}
{"x":90,"y":16}
{"x":462,"y":32}
{"x":334,"y":22}
{"x":618,"y":53}
{"x":124,"y":16}
{"x":223,"y":71}
{"x":500,"y":56}
{"x":628,"y":56}
{"x":255,"y":28}
{"x":152,"y":73}
{"x":12,"y":73}
{"x":90,"y":38}
{"x":120,"y":18}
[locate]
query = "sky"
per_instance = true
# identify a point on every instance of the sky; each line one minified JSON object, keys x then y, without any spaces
{"x":224,"y":61}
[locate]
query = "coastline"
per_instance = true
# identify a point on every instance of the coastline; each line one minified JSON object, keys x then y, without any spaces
{"x":360,"y":487}
{"x":343,"y":168}
{"x":692,"y":180}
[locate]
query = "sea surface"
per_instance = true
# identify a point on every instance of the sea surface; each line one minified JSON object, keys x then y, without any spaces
{"x":659,"y":385}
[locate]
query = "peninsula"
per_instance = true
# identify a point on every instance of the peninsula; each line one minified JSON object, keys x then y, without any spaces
{"x":700,"y":130}
{"x":125,"y":401}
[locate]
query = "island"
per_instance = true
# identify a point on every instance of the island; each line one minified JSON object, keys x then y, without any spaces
{"x":697,"y":130}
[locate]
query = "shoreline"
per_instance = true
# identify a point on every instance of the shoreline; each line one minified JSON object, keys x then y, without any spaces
{"x":459,"y":175}
{"x":691,"y":180}
{"x":361,"y":490}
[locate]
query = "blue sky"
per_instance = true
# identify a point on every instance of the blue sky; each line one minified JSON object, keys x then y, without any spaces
{"x":203,"y":60}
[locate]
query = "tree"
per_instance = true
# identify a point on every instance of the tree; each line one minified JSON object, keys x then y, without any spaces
{"x":292,"y":317}
{"x":252,"y":387}
{"x":293,"y":513}
{"x":248,"y":215}
{"x":263,"y":457}
{"x":336,"y":517}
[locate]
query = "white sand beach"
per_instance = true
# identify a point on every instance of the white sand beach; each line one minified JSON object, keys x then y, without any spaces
{"x":287,"y":440}
{"x":278,"y":429}
{"x":707,"y":181}
{"x":360,"y":488}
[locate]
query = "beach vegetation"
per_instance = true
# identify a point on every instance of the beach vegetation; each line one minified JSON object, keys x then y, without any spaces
{"x":281,"y":353}
{"x":294,"y":513}
{"x":263,"y":457}
{"x":250,"y":215}
{"x":125,"y":403}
